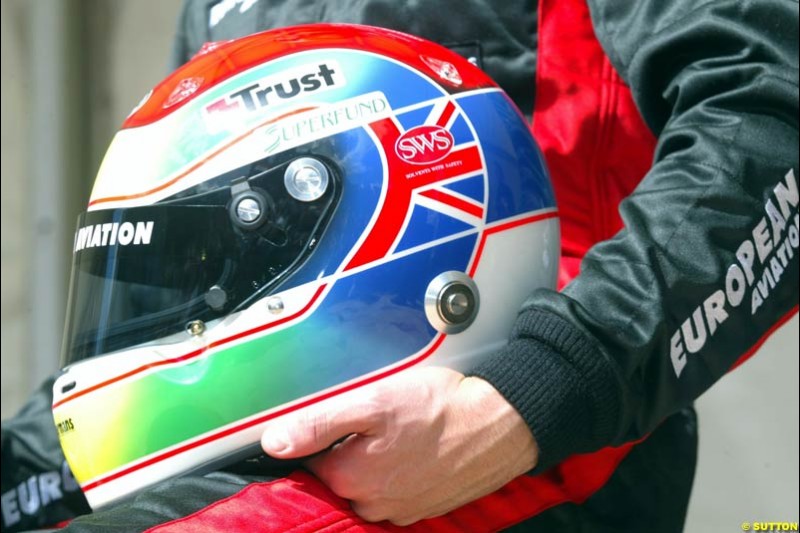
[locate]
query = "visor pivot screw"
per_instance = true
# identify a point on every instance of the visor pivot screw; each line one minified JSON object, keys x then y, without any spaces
{"x":249,"y":207}
{"x":275,"y":305}
{"x":248,"y":210}
{"x":451,"y":302}
{"x":457,"y":304}
{"x":216,"y":298}
{"x":195,"y":328}
{"x":306,"y":179}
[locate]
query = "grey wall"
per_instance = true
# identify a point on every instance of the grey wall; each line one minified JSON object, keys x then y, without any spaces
{"x":16,"y":233}
{"x":71,"y":72}
{"x":100,"y":57}
{"x":749,"y":440}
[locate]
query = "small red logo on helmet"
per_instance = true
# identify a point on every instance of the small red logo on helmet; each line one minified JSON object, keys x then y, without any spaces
{"x":424,"y":145}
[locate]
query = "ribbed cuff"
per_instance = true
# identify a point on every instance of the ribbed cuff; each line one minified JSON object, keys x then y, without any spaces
{"x":559,"y":382}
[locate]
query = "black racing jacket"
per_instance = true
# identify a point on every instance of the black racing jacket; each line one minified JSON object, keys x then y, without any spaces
{"x":704,"y":266}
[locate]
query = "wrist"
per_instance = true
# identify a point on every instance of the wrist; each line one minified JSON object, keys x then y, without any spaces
{"x":501,"y":426}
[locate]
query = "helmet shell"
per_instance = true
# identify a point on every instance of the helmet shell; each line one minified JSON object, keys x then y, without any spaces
{"x":434,"y":182}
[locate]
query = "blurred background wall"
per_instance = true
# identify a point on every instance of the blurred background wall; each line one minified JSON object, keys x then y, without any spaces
{"x":71,"y":72}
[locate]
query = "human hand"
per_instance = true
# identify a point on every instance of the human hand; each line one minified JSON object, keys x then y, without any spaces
{"x":416,"y":445}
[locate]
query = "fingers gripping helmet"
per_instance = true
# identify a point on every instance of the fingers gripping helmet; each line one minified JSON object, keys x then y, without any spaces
{"x":286,"y":217}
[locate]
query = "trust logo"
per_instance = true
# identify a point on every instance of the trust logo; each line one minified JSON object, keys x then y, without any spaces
{"x":277,"y":89}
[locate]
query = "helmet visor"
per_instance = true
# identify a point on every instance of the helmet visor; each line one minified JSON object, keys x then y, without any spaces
{"x":138,"y":275}
{"x":144,"y":273}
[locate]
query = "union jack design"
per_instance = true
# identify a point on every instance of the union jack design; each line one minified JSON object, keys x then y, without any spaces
{"x":422,"y":194}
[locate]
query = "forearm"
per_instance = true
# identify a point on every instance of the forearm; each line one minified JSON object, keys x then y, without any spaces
{"x":705,"y":264}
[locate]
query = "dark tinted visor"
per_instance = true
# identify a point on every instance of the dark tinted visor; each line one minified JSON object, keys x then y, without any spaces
{"x":145,"y":273}
{"x":139,"y":274}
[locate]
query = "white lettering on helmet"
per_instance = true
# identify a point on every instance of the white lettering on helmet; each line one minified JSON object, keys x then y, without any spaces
{"x":113,"y":234}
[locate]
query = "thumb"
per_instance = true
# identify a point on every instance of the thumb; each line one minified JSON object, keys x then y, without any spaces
{"x":318,"y":427}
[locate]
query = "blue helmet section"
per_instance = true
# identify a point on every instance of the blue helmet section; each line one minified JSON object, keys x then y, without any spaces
{"x":515,"y":181}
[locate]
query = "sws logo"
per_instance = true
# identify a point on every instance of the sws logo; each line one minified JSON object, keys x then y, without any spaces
{"x":279,"y":88}
{"x":424,"y":145}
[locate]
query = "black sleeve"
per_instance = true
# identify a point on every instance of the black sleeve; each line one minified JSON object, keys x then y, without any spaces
{"x":38,"y":489}
{"x":707,"y":262}
{"x":191,"y":32}
{"x":168,"y":501}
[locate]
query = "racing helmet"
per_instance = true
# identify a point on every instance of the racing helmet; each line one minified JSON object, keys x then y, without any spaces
{"x":286,"y":217}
